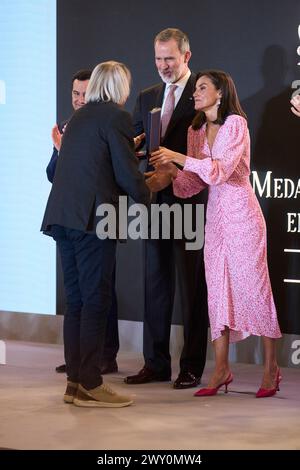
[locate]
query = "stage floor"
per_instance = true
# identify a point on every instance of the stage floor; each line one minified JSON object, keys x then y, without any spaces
{"x":34,"y":416}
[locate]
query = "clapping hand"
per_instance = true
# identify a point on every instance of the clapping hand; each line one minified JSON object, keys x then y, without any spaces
{"x":56,"y":137}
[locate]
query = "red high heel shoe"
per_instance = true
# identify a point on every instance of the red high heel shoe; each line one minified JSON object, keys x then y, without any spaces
{"x":209,"y":392}
{"x":269,"y":392}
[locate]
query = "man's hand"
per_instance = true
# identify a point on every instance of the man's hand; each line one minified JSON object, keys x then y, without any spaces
{"x":161,"y":177}
{"x":138,"y":140}
{"x":56,"y":137}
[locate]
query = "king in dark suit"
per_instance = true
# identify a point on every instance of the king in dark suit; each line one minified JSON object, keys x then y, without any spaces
{"x":166,"y":259}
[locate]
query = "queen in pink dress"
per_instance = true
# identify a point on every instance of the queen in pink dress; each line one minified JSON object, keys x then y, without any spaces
{"x":240,"y":298}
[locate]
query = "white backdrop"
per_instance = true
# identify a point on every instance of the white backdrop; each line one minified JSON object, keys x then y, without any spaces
{"x":27,"y":113}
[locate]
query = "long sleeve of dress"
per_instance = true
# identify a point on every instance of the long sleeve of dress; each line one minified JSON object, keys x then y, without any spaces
{"x":187,"y":183}
{"x":217,"y":169}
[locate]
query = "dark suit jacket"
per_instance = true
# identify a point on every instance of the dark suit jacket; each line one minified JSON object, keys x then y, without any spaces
{"x":50,"y":170}
{"x":176,"y":134}
{"x":96,"y":164}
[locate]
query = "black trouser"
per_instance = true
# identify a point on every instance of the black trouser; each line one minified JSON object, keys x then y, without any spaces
{"x":164,"y":260}
{"x":88,"y":265}
{"x":111,"y":343}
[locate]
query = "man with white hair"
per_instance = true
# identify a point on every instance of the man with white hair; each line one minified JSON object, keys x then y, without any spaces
{"x":91,"y":173}
{"x":80,"y":81}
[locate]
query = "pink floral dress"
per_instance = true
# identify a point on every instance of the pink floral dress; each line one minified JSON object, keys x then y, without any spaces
{"x":239,"y":290}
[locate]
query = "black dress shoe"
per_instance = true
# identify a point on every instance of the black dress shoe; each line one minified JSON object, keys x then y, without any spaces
{"x":109,"y":367}
{"x":186,"y":379}
{"x":61,"y":369}
{"x":145,"y":376}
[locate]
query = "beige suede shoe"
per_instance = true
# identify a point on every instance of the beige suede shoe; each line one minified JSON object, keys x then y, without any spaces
{"x":70,"y":392}
{"x":101,"y":397}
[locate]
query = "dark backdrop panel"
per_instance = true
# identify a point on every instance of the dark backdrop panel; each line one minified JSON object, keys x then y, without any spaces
{"x":256,"y":43}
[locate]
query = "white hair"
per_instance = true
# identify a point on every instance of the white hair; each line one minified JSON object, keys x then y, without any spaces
{"x":110,"y":81}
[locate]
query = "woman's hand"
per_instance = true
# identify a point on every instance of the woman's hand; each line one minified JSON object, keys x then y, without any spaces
{"x":296,"y":105}
{"x":56,"y":137}
{"x":164,"y":155}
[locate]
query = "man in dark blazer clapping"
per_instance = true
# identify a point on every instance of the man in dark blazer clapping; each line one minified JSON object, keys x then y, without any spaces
{"x":166,"y":258}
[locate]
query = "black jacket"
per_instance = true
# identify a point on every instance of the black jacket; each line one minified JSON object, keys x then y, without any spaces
{"x":176,"y":134}
{"x":96,"y":164}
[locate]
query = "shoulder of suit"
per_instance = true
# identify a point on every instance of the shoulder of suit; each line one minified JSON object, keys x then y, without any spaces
{"x":107,"y":113}
{"x":152,"y":89}
{"x":116,"y":115}
{"x":192,"y":78}
{"x":119,"y":111}
{"x":105,"y":106}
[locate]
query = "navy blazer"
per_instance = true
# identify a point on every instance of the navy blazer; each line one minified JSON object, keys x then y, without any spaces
{"x":96,"y":165}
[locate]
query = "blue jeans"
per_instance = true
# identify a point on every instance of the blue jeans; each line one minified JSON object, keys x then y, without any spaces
{"x":88,"y":265}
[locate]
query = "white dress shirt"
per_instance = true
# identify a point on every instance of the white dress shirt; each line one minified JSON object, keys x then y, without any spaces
{"x":179,"y":90}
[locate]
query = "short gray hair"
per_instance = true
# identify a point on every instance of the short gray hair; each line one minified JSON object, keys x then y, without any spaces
{"x":110,"y":81}
{"x":173,"y":33}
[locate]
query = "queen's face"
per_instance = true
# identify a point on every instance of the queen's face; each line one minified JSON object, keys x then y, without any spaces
{"x":206,"y":96}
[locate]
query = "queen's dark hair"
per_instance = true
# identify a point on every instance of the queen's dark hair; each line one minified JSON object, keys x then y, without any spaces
{"x":230,"y":103}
